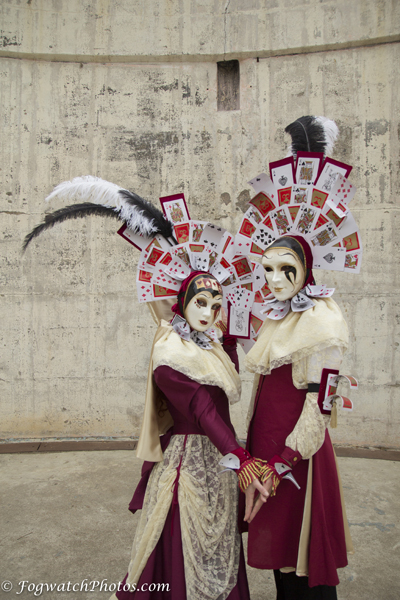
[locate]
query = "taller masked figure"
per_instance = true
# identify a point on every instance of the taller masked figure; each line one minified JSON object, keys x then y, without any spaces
{"x":302,"y":534}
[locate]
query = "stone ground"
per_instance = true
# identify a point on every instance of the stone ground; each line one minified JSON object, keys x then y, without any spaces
{"x":64,"y":518}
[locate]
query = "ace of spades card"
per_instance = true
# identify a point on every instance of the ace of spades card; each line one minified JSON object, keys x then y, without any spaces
{"x":330,"y":259}
{"x":282,"y":172}
{"x":301,"y":302}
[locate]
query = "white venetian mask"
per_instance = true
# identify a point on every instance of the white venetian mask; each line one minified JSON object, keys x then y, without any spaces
{"x":203,"y":310}
{"x":284,"y":272}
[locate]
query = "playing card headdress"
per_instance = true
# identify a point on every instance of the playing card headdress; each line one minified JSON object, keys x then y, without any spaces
{"x":306,"y":197}
{"x":172,"y":247}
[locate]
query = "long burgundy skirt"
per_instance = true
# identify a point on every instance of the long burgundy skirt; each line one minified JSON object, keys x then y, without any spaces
{"x":274,"y":534}
{"x":166,"y":566}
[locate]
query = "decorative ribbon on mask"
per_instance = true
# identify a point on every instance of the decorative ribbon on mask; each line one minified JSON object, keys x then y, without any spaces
{"x":278,"y":309}
{"x":200,"y":338}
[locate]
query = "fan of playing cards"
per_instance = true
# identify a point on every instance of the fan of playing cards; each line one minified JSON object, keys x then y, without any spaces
{"x":201,"y":246}
{"x":308,"y":198}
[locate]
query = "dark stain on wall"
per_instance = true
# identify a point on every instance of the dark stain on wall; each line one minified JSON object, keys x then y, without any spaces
{"x":344,"y":144}
{"x":199,"y":100}
{"x":6,"y":40}
{"x":166,"y":87}
{"x":374,"y":128}
{"x":203,"y":142}
{"x":242,"y":200}
{"x":225,"y":198}
{"x":126,"y":145}
{"x":186,"y":91}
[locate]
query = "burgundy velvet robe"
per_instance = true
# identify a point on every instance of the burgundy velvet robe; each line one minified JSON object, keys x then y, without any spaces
{"x":274,"y":533}
{"x":196,"y":409}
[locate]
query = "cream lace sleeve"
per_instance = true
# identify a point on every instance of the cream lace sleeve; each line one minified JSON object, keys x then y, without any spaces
{"x":309,"y":433}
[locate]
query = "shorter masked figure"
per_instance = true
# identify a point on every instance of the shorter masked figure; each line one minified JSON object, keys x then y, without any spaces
{"x":187,"y":543}
{"x":302,"y":534}
{"x":187,"y":534}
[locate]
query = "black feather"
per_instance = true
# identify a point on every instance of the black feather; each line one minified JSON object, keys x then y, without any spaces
{"x":149,"y":213}
{"x":307,"y":135}
{"x":74,"y":211}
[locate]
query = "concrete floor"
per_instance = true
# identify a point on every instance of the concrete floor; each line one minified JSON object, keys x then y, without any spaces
{"x":64,"y":518}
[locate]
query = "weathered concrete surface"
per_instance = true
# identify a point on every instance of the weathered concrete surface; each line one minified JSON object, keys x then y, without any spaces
{"x":74,"y":341}
{"x":65,"y":518}
{"x":185,"y":29}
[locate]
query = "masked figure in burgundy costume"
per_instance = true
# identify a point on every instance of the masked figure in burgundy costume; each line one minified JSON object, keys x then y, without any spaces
{"x":302,"y":534}
{"x":187,"y":535}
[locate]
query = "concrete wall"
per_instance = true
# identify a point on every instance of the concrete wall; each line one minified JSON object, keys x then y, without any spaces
{"x":126,"y":90}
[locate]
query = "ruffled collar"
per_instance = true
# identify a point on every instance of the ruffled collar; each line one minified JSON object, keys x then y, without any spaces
{"x":278,"y":309}
{"x":200,"y":338}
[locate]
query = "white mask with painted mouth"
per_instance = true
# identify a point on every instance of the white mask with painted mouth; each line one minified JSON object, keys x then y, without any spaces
{"x":284,"y":272}
{"x":203,"y":310}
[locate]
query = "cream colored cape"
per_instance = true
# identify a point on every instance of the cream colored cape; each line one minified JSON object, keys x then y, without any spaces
{"x":297,"y":336}
{"x":207,"y":367}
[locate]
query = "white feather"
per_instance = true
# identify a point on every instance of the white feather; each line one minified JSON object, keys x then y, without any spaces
{"x":88,"y":189}
{"x":331,"y":132}
{"x":99,"y":191}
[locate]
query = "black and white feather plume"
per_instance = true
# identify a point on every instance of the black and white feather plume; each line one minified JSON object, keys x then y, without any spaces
{"x":312,"y":134}
{"x":99,"y":197}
